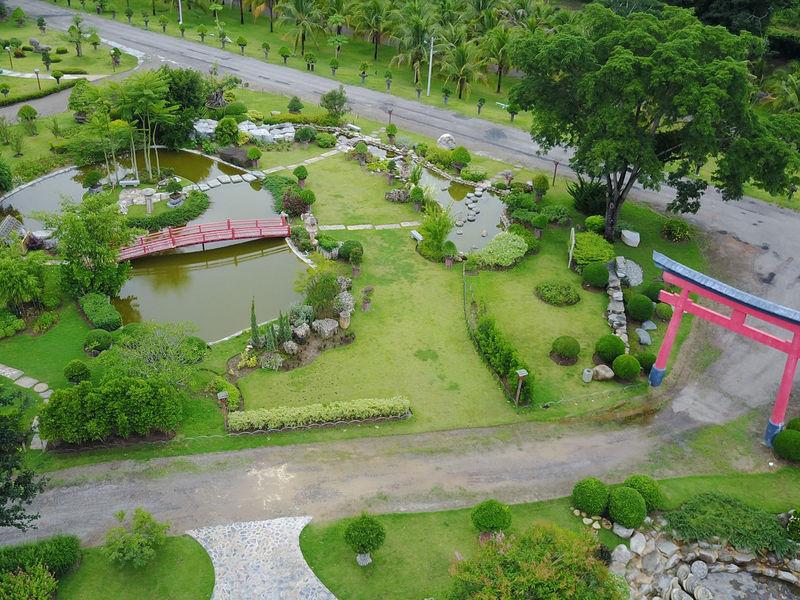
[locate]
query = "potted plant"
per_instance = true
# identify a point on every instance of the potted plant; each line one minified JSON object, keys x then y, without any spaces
{"x":182,"y":29}
{"x":285,"y":53}
{"x":391,"y":132}
{"x":391,"y":171}
{"x":311,"y":60}
{"x":366,"y":297}
{"x":174,"y":188}
{"x":417,"y":196}
{"x":539,"y":222}
{"x":513,"y":110}
{"x":364,"y":535}
{"x":363,"y":71}
{"x":163,"y":21}
{"x":241,"y":41}
{"x":361,"y":153}
{"x":418,"y":89}
{"x":446,"y":93}
{"x":253,"y":155}
{"x":302,"y":174}
{"x":356,"y":256}
{"x":540,"y":186}
{"x":449,"y":251}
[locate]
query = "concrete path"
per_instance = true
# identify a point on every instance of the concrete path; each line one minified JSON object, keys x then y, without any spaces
{"x":41,"y":388}
{"x":260,"y":560}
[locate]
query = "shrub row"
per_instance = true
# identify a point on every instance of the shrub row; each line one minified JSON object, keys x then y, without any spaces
{"x":589,"y":248}
{"x":627,"y":504}
{"x":58,"y":554}
{"x":33,"y":95}
{"x":285,"y":417}
{"x":502,"y":357}
{"x":196,"y":204}
{"x":220,"y":384}
{"x":277,"y":185}
{"x":100,"y":312}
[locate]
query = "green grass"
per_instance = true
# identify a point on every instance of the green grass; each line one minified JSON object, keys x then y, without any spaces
{"x":21,"y":87}
{"x":181,"y":570}
{"x":44,"y":356}
{"x":94,"y":62}
{"x":425,"y":544}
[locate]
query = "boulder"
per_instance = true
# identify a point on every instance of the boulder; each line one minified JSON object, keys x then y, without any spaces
{"x":630,"y":238}
{"x":325,"y":328}
{"x":446,"y":141}
{"x":649,"y":325}
{"x":602,"y":373}
{"x":644,"y":337}
{"x":621,"y":554}
{"x":290,"y":347}
{"x":301,"y":332}
{"x":204,"y":128}
{"x":638,"y":542}
{"x":699,"y":569}
{"x":621,"y":531}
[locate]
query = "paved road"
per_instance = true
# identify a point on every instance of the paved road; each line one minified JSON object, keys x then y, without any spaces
{"x":752,"y":244}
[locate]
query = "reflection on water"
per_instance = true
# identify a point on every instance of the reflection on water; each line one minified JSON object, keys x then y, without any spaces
{"x":45,"y":196}
{"x":186,"y":164}
{"x":212,"y":288}
{"x":238,"y":201}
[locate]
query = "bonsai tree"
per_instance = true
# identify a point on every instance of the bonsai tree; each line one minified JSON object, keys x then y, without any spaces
{"x":47,"y":60}
{"x":305,"y":135}
{"x":449,"y":251}
{"x":513,"y":110}
{"x":27,"y":116}
{"x":334,"y":64}
{"x":540,"y":186}
{"x":182,"y":29}
{"x":391,"y":132}
{"x":202,"y":31}
{"x":295,"y":106}
{"x":388,"y":77}
{"x":285,"y":53}
{"x":163,"y":21}
{"x":364,"y":535}
{"x":265,"y":47}
{"x":19,"y":16}
{"x":460,"y":158}
{"x":356,"y":256}
{"x":418,"y":89}
{"x":253,"y":155}
{"x":241,"y":41}
{"x":481,"y":102}
{"x":146,"y":19}
{"x":302,"y":174}
{"x":174,"y":188}
{"x":335,"y":104}
{"x":94,"y":40}
{"x":116,"y":58}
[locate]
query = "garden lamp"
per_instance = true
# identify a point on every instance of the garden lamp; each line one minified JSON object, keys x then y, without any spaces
{"x":38,"y":81}
{"x":521,"y":375}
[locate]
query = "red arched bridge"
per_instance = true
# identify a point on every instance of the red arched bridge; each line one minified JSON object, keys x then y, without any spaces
{"x":204,"y":233}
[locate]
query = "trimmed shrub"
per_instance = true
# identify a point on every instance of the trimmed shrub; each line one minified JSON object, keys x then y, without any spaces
{"x":652,"y":290}
{"x":501,"y":356}
{"x":648,"y":488}
{"x":557,"y":293}
{"x":97,"y":339}
{"x":555,"y":214}
{"x":503,"y":250}
{"x":596,"y":274}
{"x":626,"y":367}
{"x":76,"y":371}
{"x":472,"y":175}
{"x":287,"y":417}
{"x":609,"y":347}
{"x":646,"y":360}
{"x":711,"y":515}
{"x":793,"y":424}
{"x":595,"y":224}
{"x":590,"y":495}
{"x":45,"y":321}
{"x":627,"y":507}
{"x":491,"y":516}
{"x":33,"y":584}
{"x":527,"y":235}
{"x":100,"y":312}
{"x":676,"y":230}
{"x":58,"y":554}
{"x":441,"y":157}
{"x":664,"y":311}
{"x":305,"y":134}
{"x":347,"y":247}
{"x":227,"y":131}
{"x":589,"y":248}
{"x":220,"y":384}
{"x":326,"y":140}
{"x":787,"y":444}
{"x":364,"y":534}
{"x":566,"y":346}
{"x":640,"y":307}
{"x":196,"y":204}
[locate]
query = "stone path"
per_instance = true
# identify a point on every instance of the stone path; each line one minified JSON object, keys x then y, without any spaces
{"x":260,"y":560}
{"x":402,"y":224}
{"x":46,"y":75}
{"x":41,"y":388}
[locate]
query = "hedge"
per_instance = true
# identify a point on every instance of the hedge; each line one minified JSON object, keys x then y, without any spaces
{"x":58,"y":554}
{"x":33,"y":95}
{"x":100,"y":312}
{"x":502,"y":357}
{"x":589,"y":248}
{"x":196,"y":204}
{"x":288,"y":417}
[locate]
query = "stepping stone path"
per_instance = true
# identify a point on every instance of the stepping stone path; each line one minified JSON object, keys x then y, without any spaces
{"x":260,"y":560}
{"x":40,"y":387}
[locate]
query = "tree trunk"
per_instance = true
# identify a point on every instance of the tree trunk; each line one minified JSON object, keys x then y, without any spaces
{"x":618,"y":188}
{"x":271,"y":17}
{"x":241,"y":12}
{"x":499,"y":78}
{"x":303,"y":44}
{"x":377,"y":39}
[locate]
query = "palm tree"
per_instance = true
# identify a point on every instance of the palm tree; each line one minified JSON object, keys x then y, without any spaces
{"x":413,"y":26}
{"x":482,"y":14}
{"x":303,"y":17}
{"x":544,"y":16}
{"x":372,"y":17}
{"x":259,"y":7}
{"x":450,"y":34}
{"x":448,"y":12}
{"x":497,"y":49}
{"x":462,"y":65}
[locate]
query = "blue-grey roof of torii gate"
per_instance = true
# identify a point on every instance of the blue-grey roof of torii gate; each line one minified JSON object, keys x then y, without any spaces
{"x":723,"y":289}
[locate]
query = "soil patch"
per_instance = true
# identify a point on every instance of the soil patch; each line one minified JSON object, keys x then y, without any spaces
{"x":560,"y":360}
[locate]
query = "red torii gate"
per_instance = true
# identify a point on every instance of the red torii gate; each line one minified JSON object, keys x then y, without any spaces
{"x":743,"y":305}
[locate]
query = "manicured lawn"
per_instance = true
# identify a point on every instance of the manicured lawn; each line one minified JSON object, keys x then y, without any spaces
{"x":44,"y":356}
{"x":19,"y":87}
{"x":420,"y":547}
{"x":180,"y":571}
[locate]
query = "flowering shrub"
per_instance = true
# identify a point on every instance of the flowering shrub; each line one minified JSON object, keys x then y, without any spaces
{"x":503,"y":250}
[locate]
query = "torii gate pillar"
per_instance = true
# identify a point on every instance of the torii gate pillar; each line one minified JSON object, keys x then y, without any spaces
{"x":742,"y":305}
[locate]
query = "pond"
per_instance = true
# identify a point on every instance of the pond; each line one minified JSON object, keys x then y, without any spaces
{"x":45,"y":196}
{"x":743,"y":586}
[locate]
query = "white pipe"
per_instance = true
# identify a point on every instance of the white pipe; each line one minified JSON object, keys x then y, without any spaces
{"x":430,"y":68}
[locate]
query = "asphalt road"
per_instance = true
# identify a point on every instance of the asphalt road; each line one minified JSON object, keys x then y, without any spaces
{"x":752,"y":244}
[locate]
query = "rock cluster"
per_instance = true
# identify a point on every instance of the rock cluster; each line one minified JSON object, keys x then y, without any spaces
{"x":268,"y":134}
{"x":325,"y":328}
{"x":628,"y":271}
{"x":204,"y":128}
{"x":615,"y":312}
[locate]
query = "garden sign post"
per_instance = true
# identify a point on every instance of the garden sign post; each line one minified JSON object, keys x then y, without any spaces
{"x":742,"y":305}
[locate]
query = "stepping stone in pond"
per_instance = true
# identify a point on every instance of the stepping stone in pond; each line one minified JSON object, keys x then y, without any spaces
{"x":236,"y":179}
{"x":40,"y":387}
{"x":203,"y":187}
{"x":248,"y":177}
{"x":459,"y":232}
{"x":224,"y":178}
{"x":213,"y":183}
{"x":10,"y":372}
{"x":26,"y":382}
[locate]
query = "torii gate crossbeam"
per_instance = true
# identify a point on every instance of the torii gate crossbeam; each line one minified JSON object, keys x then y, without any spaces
{"x":742,"y":305}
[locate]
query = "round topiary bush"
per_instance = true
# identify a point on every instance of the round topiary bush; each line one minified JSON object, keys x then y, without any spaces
{"x":652,"y":289}
{"x":664,"y":311}
{"x":648,"y":488}
{"x":640,"y":307}
{"x":787,"y":444}
{"x":566,"y":347}
{"x":595,"y":224}
{"x":557,"y":293}
{"x":590,"y":495}
{"x":491,"y":516}
{"x":596,"y":274}
{"x":76,"y":371}
{"x":347,"y":247}
{"x":97,"y":340}
{"x":627,"y":507}
{"x":793,"y":424}
{"x":364,"y":534}
{"x":646,"y":360}
{"x":609,"y":347}
{"x":626,"y":367}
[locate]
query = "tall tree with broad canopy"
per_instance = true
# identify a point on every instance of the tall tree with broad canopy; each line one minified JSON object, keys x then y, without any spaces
{"x":651,"y":98}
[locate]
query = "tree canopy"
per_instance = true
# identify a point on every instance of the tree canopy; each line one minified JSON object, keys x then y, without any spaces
{"x":651,"y":98}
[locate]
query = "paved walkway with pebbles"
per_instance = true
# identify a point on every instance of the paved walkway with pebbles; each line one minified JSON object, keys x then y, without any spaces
{"x":260,"y":560}
{"x":41,"y":388}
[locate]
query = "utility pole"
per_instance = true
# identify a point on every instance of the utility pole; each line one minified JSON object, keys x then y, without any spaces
{"x":430,"y":68}
{"x":180,"y":12}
